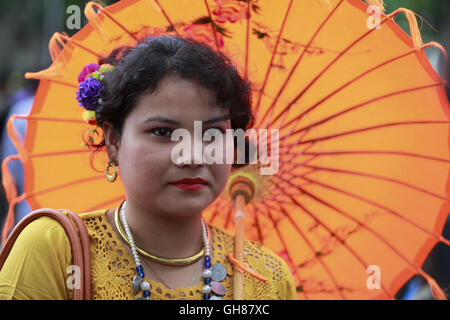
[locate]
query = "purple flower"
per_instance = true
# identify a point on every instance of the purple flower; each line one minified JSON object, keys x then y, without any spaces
{"x":88,"y":69}
{"x":89,"y":92}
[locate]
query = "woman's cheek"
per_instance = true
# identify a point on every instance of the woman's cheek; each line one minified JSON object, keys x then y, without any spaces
{"x":134,"y":162}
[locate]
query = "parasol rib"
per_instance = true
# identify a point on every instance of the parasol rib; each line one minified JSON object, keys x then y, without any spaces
{"x":319,"y":257}
{"x":351,"y":81}
{"x":437,"y":291}
{"x":64,"y":185}
{"x":417,"y":269}
{"x":376,"y":204}
{"x":365,"y":103}
{"x":371,"y":176}
{"x":247,"y":39}
{"x":167,"y":17}
{"x":356,"y":131}
{"x":309,"y":244}
{"x":213,"y":29}
{"x":379,"y":178}
{"x":362,"y":152}
{"x":323,"y":71}
{"x":314,"y":168}
{"x":358,"y":197}
{"x":272,"y":58}
{"x":33,"y":118}
{"x":59,"y":153}
{"x":342,"y":241}
{"x":296,"y":165}
{"x":324,"y":22}
{"x":79,"y":45}
{"x":121,"y":26}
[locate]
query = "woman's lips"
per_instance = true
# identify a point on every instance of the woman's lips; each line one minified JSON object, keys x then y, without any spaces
{"x":190,"y":183}
{"x":184,"y":186}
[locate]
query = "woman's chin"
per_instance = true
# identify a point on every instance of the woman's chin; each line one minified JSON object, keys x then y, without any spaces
{"x":187,"y":208}
{"x":192,"y":202}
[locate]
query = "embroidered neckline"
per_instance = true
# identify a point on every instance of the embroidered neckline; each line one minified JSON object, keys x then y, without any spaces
{"x":156,"y":287}
{"x":112,"y":267}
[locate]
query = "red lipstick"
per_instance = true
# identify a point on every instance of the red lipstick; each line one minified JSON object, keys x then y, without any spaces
{"x":190,"y":183}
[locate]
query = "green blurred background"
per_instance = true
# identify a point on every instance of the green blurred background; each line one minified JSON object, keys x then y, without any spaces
{"x":27,"y":25}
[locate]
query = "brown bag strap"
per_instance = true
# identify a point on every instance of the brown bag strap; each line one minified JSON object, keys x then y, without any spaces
{"x":78,"y":238}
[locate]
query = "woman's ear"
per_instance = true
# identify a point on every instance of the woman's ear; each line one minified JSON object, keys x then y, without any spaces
{"x":112,"y":141}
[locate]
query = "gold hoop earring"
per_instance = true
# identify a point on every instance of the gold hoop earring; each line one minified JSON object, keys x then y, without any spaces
{"x":111,"y":177}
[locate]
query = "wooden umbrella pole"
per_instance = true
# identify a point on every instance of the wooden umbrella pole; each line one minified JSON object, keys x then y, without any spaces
{"x":241,"y":190}
{"x":239,"y":220}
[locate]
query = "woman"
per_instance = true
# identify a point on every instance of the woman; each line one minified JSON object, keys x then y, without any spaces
{"x":163,"y":84}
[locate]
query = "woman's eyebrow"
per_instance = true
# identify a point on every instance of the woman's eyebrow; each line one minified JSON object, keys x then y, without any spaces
{"x":170,"y":121}
{"x":217,"y":119}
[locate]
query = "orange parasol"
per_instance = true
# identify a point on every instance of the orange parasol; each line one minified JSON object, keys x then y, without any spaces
{"x":361,"y":194}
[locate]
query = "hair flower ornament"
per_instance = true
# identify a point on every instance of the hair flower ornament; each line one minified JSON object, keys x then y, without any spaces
{"x":90,"y":87}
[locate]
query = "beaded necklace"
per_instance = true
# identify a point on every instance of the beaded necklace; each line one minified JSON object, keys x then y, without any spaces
{"x":212,"y":274}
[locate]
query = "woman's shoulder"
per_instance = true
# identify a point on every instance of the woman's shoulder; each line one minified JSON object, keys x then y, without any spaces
{"x":42,"y":231}
{"x":41,"y":253}
{"x":96,"y":223}
{"x":93,"y":214}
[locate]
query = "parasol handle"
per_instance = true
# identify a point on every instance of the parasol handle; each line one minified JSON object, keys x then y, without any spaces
{"x":241,"y":190}
{"x":239,"y":221}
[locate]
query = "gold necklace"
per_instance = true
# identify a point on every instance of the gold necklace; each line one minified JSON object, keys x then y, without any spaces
{"x":153,"y":257}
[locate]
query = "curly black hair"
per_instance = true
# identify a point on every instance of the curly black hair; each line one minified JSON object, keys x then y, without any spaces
{"x":140,"y":69}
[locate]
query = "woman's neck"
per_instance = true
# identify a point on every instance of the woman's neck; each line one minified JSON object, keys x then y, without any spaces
{"x":164,"y":235}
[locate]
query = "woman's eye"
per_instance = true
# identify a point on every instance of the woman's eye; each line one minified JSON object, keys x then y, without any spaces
{"x":167,"y":132}
{"x":162,"y":131}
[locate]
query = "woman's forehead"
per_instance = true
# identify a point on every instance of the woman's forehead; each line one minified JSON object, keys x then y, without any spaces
{"x":179,"y":99}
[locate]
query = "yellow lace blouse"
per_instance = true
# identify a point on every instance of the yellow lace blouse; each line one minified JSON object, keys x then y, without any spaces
{"x":37,"y":267}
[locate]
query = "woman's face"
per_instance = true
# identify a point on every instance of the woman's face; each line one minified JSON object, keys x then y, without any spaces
{"x":144,"y":153}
